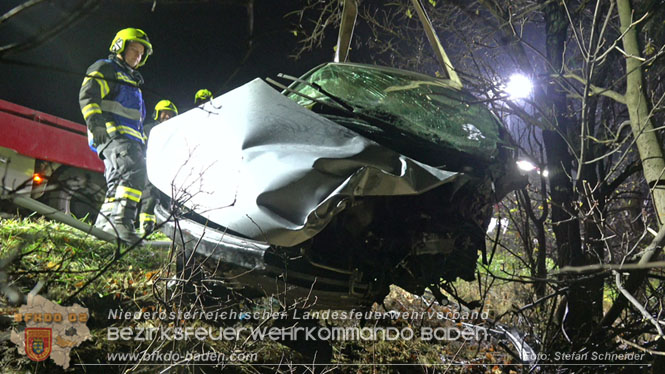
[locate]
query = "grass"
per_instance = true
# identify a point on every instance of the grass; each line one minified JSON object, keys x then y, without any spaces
{"x":65,"y":260}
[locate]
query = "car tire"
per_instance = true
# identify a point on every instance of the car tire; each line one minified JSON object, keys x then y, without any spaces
{"x":76,"y":192}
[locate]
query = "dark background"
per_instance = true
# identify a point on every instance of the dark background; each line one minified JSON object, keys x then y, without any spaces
{"x":197,"y":44}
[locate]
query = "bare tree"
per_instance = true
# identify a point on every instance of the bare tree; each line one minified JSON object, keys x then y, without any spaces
{"x":602,"y":193}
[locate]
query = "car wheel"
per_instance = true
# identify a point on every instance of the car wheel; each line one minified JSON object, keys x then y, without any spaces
{"x":76,"y":192}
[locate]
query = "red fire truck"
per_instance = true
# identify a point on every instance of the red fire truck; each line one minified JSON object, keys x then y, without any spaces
{"x":47,"y":158}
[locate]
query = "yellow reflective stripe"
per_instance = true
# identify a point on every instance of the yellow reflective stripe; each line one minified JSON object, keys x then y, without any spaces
{"x":90,"y":109}
{"x":125,"y":78}
{"x":145,"y":217}
{"x":108,"y":200}
{"x":103,"y":85}
{"x":129,"y":131}
{"x":128,"y":193}
{"x":111,"y":127}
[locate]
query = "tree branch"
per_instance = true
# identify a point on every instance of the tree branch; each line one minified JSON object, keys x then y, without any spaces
{"x":636,"y":279}
{"x":613,"y":267}
{"x":633,"y":300}
{"x":599,"y":90}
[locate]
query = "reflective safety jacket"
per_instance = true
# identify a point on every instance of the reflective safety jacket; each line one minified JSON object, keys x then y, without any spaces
{"x":110,"y":96}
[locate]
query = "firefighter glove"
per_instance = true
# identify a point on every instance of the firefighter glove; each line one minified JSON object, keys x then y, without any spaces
{"x":99,"y":135}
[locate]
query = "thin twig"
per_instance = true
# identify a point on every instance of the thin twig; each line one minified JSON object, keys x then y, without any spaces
{"x":636,"y":304}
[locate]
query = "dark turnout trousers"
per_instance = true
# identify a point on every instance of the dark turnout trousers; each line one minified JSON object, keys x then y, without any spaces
{"x":148,"y":201}
{"x":124,"y":160}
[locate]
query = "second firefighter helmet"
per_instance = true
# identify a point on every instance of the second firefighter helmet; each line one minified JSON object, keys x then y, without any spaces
{"x":131,"y":35}
{"x":202,"y":95}
{"x":164,"y":105}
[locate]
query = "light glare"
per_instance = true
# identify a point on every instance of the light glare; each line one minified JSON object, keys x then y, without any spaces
{"x":518,"y":87}
{"x":525,"y":165}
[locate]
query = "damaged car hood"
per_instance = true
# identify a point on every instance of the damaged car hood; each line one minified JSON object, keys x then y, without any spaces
{"x":259,"y":164}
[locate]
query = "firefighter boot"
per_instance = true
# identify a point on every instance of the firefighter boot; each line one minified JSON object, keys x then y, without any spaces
{"x":124,"y":212}
{"x":103,"y":221}
{"x":146,"y":223}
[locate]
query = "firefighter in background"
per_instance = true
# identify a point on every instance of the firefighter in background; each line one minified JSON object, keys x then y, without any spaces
{"x":164,"y":110}
{"x":113,"y":108}
{"x":202,"y":96}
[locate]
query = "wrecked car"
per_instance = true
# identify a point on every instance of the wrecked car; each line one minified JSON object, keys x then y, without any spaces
{"x":352,"y":178}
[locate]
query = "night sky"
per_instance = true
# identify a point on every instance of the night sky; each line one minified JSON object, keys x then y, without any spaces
{"x":196,"y":45}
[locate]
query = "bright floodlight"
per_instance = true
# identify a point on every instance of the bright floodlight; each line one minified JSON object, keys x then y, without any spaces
{"x":525,"y":165}
{"x":518,"y":87}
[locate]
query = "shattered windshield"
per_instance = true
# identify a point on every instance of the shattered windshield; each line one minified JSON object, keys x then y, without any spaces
{"x":414,"y":103}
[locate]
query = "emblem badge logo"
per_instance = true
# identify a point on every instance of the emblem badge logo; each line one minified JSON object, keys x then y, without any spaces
{"x":38,"y":343}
